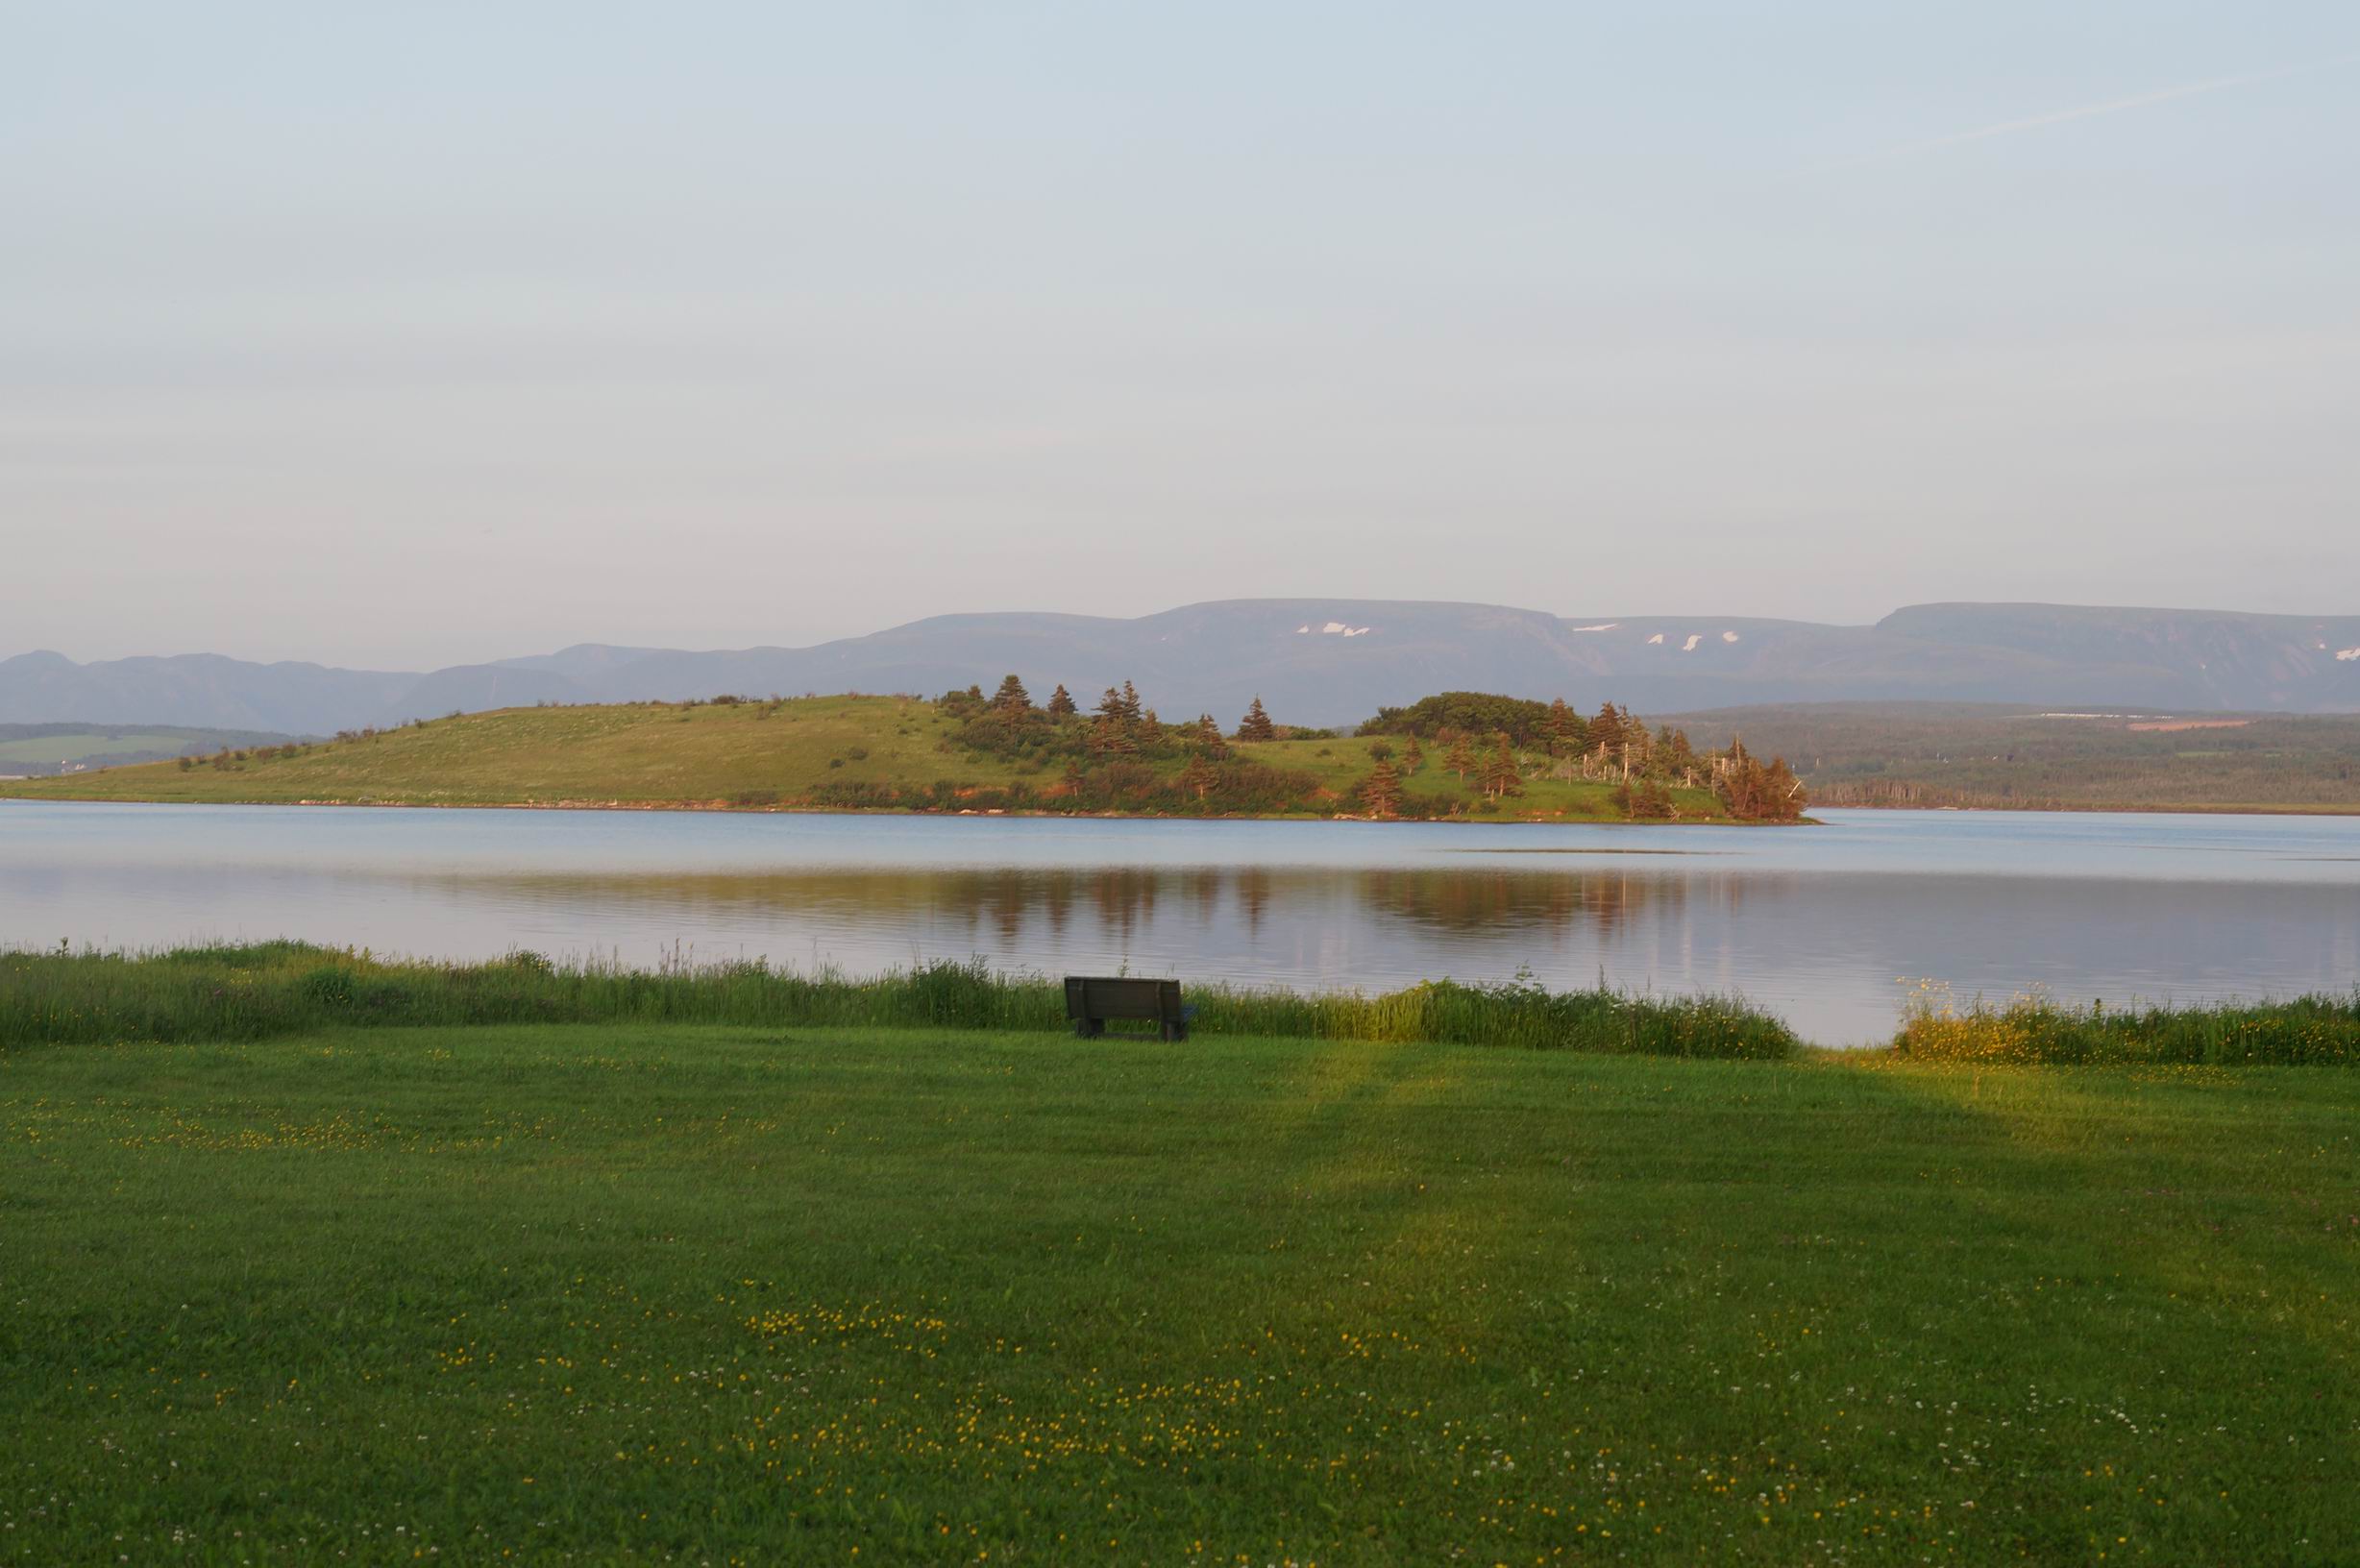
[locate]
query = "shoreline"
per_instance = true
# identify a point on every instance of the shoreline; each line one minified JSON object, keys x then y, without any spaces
{"x":725,"y":808}
{"x":2228,"y":808}
{"x":255,"y":989}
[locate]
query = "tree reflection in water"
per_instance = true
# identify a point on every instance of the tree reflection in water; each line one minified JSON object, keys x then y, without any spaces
{"x":1008,"y":911}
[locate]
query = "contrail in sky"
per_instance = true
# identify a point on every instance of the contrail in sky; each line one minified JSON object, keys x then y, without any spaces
{"x":2111,"y":106}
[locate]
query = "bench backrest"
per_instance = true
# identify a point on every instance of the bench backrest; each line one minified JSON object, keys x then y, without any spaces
{"x":1108,"y":996}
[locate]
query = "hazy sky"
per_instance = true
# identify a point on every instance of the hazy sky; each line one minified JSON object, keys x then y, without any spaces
{"x":402,"y":335}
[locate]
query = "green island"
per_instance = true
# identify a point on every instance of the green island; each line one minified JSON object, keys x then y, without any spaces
{"x":311,"y":1256}
{"x":1463,"y":755}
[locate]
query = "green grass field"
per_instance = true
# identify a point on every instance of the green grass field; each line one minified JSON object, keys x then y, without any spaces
{"x":638,"y":1292}
{"x":711,"y":756}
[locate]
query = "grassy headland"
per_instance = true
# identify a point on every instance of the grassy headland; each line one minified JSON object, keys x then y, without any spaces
{"x":52,"y":748}
{"x":908,"y":754}
{"x":645,"y":1291}
{"x":1993,"y":756}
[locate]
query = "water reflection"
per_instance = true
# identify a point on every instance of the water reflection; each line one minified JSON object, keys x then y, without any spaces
{"x":1821,"y":926}
{"x":1015,"y":905}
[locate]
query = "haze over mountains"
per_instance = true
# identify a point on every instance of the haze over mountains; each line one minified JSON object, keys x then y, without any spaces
{"x":1312,"y":661}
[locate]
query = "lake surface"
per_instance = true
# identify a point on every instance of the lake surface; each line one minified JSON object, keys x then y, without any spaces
{"x":1828,"y":926}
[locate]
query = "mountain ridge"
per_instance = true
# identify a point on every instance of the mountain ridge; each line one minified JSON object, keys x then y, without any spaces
{"x":1325,"y":661}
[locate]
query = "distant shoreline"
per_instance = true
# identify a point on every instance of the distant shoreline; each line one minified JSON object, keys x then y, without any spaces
{"x":726,"y":808}
{"x":722,"y":808}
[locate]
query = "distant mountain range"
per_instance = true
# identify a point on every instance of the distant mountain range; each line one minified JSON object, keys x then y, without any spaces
{"x":1312,"y":661}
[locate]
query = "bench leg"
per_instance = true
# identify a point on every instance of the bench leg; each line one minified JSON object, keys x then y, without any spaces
{"x":1089,"y":1028}
{"x":1175,"y":1030}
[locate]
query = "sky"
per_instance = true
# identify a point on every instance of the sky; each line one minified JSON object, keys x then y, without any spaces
{"x":404,"y":337}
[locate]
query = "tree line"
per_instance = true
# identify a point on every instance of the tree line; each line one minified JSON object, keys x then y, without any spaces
{"x":1490,"y":743}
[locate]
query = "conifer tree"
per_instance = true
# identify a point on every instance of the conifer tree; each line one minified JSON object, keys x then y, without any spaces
{"x":1566,"y":730}
{"x":1412,"y":756}
{"x":1130,"y":703}
{"x":1111,"y":731}
{"x":1381,"y":791}
{"x":1256,"y":725}
{"x":1061,"y":702}
{"x":1012,"y":698}
{"x":1606,"y":731}
{"x":1460,"y":759}
{"x":1197,"y":776}
{"x":1501,"y":774}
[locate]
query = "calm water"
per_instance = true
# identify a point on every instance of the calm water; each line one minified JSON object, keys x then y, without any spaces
{"x":1822,"y":924}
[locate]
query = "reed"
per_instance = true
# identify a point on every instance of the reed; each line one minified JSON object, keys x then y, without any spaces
{"x":2306,"y":1031}
{"x":269,"y":990}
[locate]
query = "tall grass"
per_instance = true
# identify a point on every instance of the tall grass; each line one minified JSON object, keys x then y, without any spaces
{"x":2306,"y":1031}
{"x":281,"y":988}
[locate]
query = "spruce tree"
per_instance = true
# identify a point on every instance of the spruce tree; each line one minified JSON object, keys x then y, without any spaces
{"x":1566,"y":730}
{"x":1061,"y":703}
{"x":1501,"y":774}
{"x":1012,"y":697}
{"x":1381,"y":791}
{"x":1412,"y":756}
{"x":1111,"y":731}
{"x":1130,"y":703}
{"x":1606,"y":731}
{"x":1197,"y":776}
{"x":1256,"y":725}
{"x":1460,"y":759}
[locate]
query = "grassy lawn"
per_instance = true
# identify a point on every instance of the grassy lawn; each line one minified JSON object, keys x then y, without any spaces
{"x":636,"y":1292}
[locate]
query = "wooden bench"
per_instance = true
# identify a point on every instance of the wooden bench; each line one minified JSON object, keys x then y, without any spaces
{"x":1093,"y":999}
